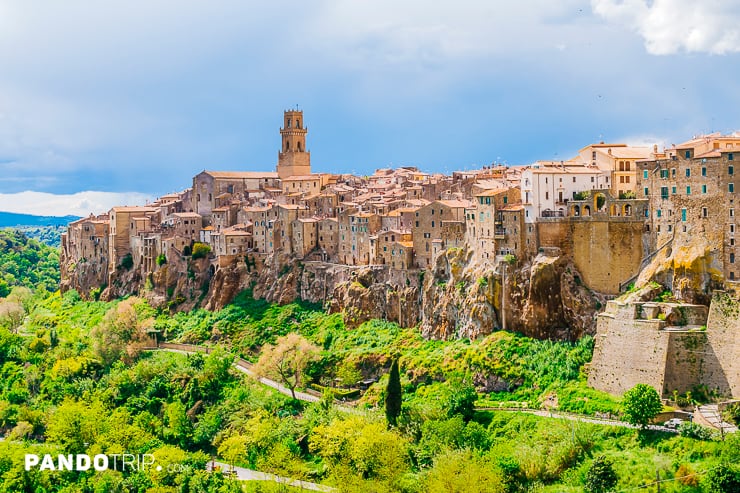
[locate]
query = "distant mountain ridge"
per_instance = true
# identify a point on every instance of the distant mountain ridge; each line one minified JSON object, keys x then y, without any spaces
{"x":12,"y":219}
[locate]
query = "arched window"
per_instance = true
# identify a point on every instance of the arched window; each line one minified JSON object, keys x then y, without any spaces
{"x":288,"y":123}
{"x":298,"y":123}
{"x":299,"y":146}
{"x":287,"y":145}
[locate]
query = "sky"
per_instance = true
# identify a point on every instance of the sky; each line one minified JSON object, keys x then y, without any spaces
{"x":105,"y":103}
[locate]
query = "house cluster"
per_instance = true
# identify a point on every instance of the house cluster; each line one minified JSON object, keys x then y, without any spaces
{"x":403,"y":218}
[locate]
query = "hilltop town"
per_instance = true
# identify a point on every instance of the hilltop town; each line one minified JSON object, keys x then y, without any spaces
{"x":404,"y":219}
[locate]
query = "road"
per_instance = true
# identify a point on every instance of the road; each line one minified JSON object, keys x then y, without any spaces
{"x":243,"y":474}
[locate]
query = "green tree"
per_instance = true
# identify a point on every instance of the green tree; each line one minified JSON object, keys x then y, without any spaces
{"x":200,"y":250}
{"x":601,"y":477}
{"x":393,"y":395}
{"x":123,"y":332}
{"x":641,"y":404}
{"x":722,"y":479}
{"x":287,"y":360}
{"x":462,"y":472}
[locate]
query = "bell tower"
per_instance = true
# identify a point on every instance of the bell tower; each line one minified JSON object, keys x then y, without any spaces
{"x":293,"y":158}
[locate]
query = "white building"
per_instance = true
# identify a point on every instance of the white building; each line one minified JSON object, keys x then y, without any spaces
{"x":547,"y":187}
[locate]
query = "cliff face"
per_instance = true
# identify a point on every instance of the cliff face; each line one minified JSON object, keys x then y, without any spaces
{"x":542,"y":299}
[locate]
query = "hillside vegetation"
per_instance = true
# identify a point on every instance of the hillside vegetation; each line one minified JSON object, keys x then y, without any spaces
{"x":26,"y":262}
{"x":76,"y":378}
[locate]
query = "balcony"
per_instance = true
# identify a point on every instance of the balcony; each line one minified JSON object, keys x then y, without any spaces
{"x":499,"y":233}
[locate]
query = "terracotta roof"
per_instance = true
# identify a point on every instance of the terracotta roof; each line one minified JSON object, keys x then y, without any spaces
{"x":455,"y":203}
{"x":302,"y":177}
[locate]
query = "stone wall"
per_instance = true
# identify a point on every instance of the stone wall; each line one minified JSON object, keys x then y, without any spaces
{"x":722,"y":365}
{"x":634,"y":346}
{"x":607,"y":252}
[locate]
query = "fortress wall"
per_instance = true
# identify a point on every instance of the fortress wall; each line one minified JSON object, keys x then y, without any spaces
{"x":721,"y":369}
{"x":684,"y":361}
{"x":555,"y":233}
{"x":607,"y":252}
{"x":627,"y":352}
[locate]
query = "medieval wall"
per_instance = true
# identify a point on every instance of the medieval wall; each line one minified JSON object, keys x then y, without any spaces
{"x":607,"y":252}
{"x":665,"y":346}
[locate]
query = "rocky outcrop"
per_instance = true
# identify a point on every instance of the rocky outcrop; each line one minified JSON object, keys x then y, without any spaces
{"x":544,"y":298}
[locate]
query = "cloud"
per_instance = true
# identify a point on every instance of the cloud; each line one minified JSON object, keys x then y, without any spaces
{"x":674,"y":26}
{"x":77,"y":204}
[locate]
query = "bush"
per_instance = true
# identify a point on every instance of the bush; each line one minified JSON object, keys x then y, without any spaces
{"x":161,"y":259}
{"x":695,"y":431}
{"x":200,"y":250}
{"x":722,"y":479}
{"x":601,"y":477}
{"x":127,"y":262}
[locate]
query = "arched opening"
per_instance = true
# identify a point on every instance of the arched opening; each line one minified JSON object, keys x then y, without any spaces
{"x":599,"y":201}
{"x":586,"y":210}
{"x":299,"y":146}
{"x":297,"y":123}
{"x":576,"y":210}
{"x":613,"y":211}
{"x":287,"y":145}
{"x":627,"y":210}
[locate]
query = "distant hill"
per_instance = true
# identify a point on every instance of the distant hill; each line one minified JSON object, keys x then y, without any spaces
{"x":11,"y":219}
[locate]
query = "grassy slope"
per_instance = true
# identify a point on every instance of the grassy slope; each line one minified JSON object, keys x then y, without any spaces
{"x":185,"y":408}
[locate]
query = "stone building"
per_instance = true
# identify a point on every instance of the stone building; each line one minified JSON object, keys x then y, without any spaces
{"x":293,"y":158}
{"x":427,"y":228}
{"x":692,"y":202}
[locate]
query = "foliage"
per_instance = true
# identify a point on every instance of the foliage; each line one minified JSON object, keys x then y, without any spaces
{"x":161,"y":259}
{"x":127,"y":262}
{"x":200,"y":250}
{"x":461,"y":471}
{"x":695,"y":431}
{"x":123,"y":332}
{"x":732,"y":413}
{"x":287,"y":360}
{"x":641,"y":404}
{"x":393,"y":395}
{"x":27,"y":262}
{"x":723,"y":478}
{"x":601,"y":477}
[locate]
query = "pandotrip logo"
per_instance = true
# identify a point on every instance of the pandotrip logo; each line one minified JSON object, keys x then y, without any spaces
{"x":84,"y":462}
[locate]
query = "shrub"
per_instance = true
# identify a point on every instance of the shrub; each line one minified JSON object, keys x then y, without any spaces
{"x":200,"y":250}
{"x":695,"y":431}
{"x":601,"y":477}
{"x":161,"y":259}
{"x":127,"y":262}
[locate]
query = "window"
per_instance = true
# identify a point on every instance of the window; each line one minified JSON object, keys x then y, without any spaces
{"x":663,"y":192}
{"x":704,"y":171}
{"x":417,"y":224}
{"x":688,"y":190}
{"x":703,"y":189}
{"x":592,"y":179}
{"x":688,"y":154}
{"x":506,"y":200}
{"x":645,"y":174}
{"x":574,"y":179}
{"x":547,"y":195}
{"x":663,"y":173}
{"x":658,"y":213}
{"x":731,"y":188}
{"x":730,"y":170}
{"x":704,"y":212}
{"x":432,"y":223}
{"x":670,"y":228}
{"x":732,"y":241}
{"x":683,"y":215}
{"x":627,"y":179}
{"x":688,"y":172}
{"x":732,"y":228}
{"x":621,"y":179}
{"x":673,"y":190}
{"x":732,"y":258}
{"x":730,"y":157}
{"x":732,"y":212}
{"x":673,"y":172}
{"x":647,"y":191}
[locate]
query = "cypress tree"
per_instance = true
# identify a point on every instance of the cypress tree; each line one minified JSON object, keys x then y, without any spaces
{"x":393,"y":395}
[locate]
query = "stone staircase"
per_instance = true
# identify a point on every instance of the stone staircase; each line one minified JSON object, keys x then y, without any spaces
{"x":711,"y":416}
